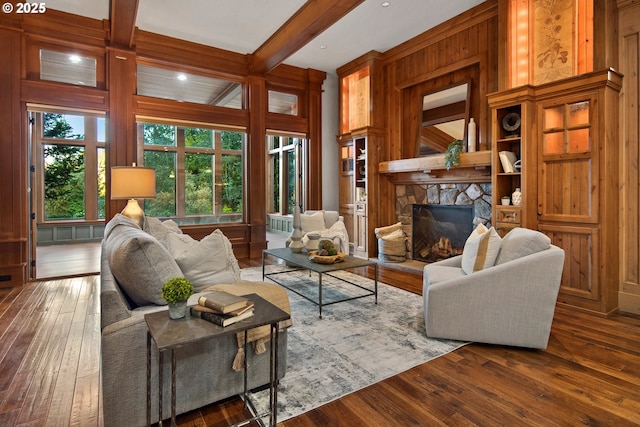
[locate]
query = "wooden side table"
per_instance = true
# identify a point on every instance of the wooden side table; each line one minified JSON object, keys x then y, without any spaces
{"x":169,"y":334}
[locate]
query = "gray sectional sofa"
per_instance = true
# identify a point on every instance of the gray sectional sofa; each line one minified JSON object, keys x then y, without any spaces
{"x":134,"y":264}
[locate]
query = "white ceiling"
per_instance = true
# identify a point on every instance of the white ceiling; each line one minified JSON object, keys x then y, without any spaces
{"x":244,"y":25}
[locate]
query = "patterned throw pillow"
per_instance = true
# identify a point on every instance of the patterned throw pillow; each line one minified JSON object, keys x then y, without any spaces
{"x":480,"y":249}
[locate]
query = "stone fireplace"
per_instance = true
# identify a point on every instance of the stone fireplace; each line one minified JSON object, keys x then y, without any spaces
{"x":440,"y":231}
{"x":475,"y":196}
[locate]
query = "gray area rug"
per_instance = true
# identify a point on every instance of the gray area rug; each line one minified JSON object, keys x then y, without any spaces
{"x":356,"y":343}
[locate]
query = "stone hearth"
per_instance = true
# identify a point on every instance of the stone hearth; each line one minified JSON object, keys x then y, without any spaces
{"x":477,"y":195}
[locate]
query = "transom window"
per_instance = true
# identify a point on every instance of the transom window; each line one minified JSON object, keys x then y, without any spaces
{"x":199,"y":176}
{"x":189,"y":87}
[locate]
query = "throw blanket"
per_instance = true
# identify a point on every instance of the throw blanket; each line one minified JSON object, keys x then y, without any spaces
{"x":258,"y":337}
{"x":337,"y":231}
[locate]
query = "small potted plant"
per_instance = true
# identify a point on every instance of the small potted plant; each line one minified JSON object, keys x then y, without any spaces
{"x":176,"y":292}
{"x":452,"y":155}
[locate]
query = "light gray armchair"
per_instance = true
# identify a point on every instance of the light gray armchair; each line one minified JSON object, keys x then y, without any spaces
{"x":511,"y":303}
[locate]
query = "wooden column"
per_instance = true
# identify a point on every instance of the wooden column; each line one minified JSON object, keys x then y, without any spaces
{"x":122,"y":146}
{"x":314,"y":120}
{"x":255,"y":167}
{"x":14,"y":215}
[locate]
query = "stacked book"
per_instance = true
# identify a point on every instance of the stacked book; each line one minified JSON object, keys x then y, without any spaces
{"x":222,"y":308}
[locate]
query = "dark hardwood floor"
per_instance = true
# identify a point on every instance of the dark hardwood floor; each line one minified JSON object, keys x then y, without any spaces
{"x":589,"y":375}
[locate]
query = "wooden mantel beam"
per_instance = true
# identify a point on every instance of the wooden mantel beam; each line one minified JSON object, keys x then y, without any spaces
{"x":309,"y":21}
{"x":123,"y":22}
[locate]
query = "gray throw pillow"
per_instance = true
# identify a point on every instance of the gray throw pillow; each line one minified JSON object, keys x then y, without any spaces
{"x":521,"y":242}
{"x":140,"y":264}
{"x":204,"y":262}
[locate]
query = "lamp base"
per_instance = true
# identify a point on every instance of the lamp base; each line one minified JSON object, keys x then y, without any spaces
{"x":134,"y":211}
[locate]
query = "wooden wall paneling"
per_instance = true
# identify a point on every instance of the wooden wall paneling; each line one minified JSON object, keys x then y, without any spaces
{"x":629,"y":45}
{"x":65,"y":28}
{"x":605,"y":42}
{"x":62,"y":95}
{"x":161,"y":108}
{"x":13,"y":165}
{"x":502,"y":64}
{"x":391,"y":149}
{"x":481,"y":13}
{"x":169,"y":50}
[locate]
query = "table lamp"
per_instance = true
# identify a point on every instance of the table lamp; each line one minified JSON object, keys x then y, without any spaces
{"x":131,"y":183}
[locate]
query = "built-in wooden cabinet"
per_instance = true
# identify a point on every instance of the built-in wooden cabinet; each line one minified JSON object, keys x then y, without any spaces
{"x":569,"y":177}
{"x":346,"y":184}
{"x":361,"y":136}
{"x":578,"y":175}
{"x":512,"y":140}
{"x":356,"y":186}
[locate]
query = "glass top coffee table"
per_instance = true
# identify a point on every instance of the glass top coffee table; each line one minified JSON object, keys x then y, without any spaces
{"x":300,"y":261}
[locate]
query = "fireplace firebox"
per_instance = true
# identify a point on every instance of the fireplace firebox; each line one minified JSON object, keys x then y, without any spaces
{"x":439,"y":231}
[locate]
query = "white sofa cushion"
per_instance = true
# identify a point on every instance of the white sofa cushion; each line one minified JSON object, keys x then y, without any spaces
{"x":204,"y":262}
{"x":521,"y":242}
{"x":160,"y":229}
{"x":481,"y":249}
{"x":312,"y":222}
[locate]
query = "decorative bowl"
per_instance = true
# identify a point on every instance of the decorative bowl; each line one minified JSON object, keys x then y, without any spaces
{"x":326,"y":259}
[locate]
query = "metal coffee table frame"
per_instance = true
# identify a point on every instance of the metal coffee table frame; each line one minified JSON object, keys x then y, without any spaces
{"x":301,"y":260}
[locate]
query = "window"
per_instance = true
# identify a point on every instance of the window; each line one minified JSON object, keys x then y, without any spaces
{"x":283,"y":103}
{"x":70,"y":154}
{"x":180,"y":86}
{"x":285,"y":173}
{"x":67,"y":68}
{"x":199,"y":176}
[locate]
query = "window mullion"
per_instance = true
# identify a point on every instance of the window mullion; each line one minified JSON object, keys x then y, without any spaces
{"x":90,"y":169}
{"x":180,"y":173}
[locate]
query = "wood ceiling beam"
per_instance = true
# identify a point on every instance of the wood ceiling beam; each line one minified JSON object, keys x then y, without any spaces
{"x":309,"y":21}
{"x":123,"y":22}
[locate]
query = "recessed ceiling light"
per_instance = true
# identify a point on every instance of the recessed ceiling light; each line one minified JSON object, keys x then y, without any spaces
{"x":323,"y":46}
{"x":75,"y":59}
{"x":181,"y":77}
{"x":385,"y":4}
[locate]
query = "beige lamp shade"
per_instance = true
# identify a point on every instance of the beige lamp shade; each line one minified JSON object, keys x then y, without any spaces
{"x":130,"y":182}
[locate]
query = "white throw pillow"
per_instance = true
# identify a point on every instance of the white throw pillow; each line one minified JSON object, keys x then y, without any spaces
{"x":207,"y":262}
{"x":480,"y":249}
{"x":312,"y":222}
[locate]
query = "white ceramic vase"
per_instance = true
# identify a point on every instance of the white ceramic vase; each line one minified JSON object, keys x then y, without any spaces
{"x":471,"y":136}
{"x":516,"y":197}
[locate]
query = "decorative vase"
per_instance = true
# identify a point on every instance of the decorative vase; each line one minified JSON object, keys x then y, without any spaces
{"x":312,"y":242}
{"x":178,"y":310}
{"x":516,"y":197}
{"x":471,"y":136}
{"x":296,"y":244}
{"x":505,"y":201}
